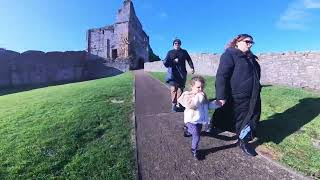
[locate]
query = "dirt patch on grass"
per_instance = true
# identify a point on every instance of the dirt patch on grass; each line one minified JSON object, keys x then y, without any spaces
{"x":269,"y":152}
{"x":316,"y":143}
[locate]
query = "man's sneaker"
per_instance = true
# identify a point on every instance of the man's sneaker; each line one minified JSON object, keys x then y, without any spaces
{"x":180,"y":109}
{"x":207,"y":128}
{"x":185,"y":132}
{"x":174,"y":107}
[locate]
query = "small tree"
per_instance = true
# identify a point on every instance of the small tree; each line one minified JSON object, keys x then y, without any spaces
{"x":153,"y":57}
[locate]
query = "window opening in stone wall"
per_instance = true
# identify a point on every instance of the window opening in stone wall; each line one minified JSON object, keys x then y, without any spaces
{"x":140,"y":63}
{"x":114,"y":54}
{"x":108,"y":48}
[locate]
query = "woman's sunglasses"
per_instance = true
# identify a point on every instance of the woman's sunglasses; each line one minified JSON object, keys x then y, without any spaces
{"x":249,"y":42}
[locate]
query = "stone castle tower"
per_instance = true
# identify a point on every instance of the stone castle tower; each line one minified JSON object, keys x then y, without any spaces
{"x":123,"y":42}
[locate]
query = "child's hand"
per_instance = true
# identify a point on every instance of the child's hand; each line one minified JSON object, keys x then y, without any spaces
{"x":202,"y":93}
{"x":214,"y":104}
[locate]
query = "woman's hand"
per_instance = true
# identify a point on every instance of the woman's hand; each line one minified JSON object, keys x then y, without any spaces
{"x":221,"y":102}
{"x":192,"y":71}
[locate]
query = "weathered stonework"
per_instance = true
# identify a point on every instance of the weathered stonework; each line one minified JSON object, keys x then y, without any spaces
{"x":297,"y":69}
{"x":39,"y":68}
{"x":124,"y":42}
{"x":111,"y":50}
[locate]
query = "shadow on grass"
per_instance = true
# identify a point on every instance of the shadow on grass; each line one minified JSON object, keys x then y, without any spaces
{"x":279,"y":126}
{"x":22,"y":88}
{"x":12,"y":90}
{"x":266,"y":85}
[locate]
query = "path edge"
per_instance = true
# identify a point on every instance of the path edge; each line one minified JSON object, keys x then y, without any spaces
{"x":134,"y":130}
{"x":260,"y":153}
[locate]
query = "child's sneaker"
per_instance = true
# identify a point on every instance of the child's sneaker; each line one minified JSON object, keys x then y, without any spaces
{"x":185,"y":132}
{"x":195,"y":154}
{"x":207,"y":128}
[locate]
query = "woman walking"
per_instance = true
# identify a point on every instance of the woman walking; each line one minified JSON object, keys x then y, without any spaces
{"x":238,"y":89}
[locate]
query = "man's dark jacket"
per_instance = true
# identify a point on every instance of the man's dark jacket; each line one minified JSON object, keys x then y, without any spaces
{"x":177,"y":73}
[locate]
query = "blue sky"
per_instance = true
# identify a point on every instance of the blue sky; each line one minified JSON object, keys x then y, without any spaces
{"x":203,"y":25}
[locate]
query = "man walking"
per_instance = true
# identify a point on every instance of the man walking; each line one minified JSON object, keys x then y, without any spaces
{"x":175,"y":62}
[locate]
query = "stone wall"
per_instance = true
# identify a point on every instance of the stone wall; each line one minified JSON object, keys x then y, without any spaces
{"x":100,"y":41}
{"x":37,"y":68}
{"x":297,"y":69}
{"x":139,"y":40}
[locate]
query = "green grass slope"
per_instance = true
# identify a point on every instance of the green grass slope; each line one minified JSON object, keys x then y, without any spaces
{"x":75,"y":131}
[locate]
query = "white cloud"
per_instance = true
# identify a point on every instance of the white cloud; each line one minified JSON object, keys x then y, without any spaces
{"x":298,"y":16}
{"x":312,"y":4}
{"x":158,"y":37}
{"x":163,"y":15}
{"x":146,"y":5}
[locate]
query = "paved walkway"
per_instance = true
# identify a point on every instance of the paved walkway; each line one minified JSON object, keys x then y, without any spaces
{"x":163,"y":152}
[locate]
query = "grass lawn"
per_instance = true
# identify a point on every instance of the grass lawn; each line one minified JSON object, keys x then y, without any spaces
{"x":74,"y":131}
{"x":290,"y":125}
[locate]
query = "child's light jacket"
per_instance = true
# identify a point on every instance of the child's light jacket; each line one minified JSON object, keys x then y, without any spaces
{"x":196,"y":107}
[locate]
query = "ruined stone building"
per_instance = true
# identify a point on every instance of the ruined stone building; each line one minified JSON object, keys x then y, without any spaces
{"x":123,"y":42}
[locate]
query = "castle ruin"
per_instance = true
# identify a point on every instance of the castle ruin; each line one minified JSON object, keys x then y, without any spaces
{"x":125,"y":46}
{"x":124,"y":42}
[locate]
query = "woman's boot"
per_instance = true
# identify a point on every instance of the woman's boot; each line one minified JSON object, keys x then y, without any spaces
{"x":247,"y":148}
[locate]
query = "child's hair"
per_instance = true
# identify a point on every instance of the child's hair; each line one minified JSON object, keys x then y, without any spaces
{"x":197,"y":78}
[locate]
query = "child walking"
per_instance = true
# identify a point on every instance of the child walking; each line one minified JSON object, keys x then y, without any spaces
{"x":196,"y":110}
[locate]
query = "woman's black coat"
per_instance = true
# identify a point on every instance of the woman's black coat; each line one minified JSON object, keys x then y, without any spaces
{"x":238,"y":82}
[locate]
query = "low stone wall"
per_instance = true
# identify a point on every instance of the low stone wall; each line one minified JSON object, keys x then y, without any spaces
{"x":297,"y":69}
{"x":36,"y":67}
{"x":122,"y":66}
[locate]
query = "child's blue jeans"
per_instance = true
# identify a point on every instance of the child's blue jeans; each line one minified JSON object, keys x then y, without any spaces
{"x":195,"y":130}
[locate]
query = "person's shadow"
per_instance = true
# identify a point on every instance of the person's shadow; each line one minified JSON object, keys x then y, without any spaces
{"x":204,"y":152}
{"x":219,"y":136}
{"x":280,"y":125}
